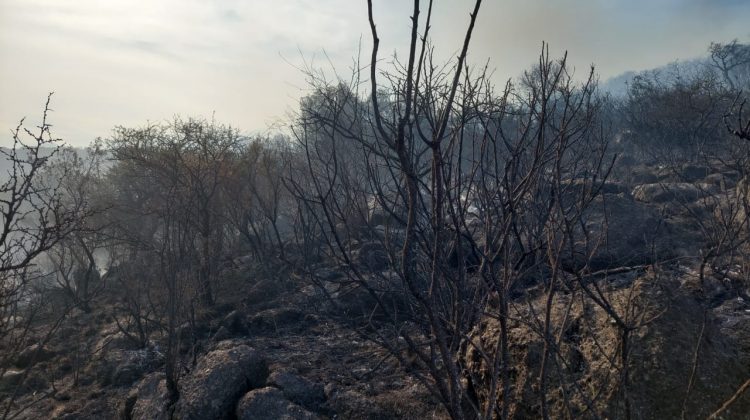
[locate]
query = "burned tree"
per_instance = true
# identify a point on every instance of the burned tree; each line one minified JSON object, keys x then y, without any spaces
{"x":34,"y":219}
{"x":479,"y":195}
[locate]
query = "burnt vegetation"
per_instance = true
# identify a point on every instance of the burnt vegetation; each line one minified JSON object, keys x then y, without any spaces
{"x":418,"y":243}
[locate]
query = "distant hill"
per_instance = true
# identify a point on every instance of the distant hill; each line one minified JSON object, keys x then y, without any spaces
{"x":617,"y":86}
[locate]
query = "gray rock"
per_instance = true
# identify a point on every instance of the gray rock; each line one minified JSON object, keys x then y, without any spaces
{"x":576,"y":187}
{"x":723,"y":181}
{"x":222,"y":334}
{"x":373,"y":256}
{"x":681,"y":192}
{"x":219,"y":379}
{"x":234,"y":322}
{"x":189,"y":335}
{"x":269,"y":403}
{"x":32,"y":355}
{"x":690,"y":173}
{"x":9,"y":380}
{"x":35,"y":381}
{"x":127,"y":374}
{"x":22,"y":382}
{"x":621,"y":232}
{"x":380,"y":216}
{"x":123,"y":368}
{"x":116,"y":341}
{"x":298,"y":389}
{"x":271,"y":320}
{"x":149,"y":400}
{"x":642,"y":175}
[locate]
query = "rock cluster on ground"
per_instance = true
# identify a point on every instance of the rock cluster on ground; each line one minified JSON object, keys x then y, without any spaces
{"x":273,"y":351}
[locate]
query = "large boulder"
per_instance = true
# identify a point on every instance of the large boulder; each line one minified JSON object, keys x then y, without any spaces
{"x":218,"y":381}
{"x":269,"y":403}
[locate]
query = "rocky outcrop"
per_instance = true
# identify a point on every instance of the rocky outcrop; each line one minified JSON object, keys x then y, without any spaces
{"x":218,"y":381}
{"x":692,"y":172}
{"x":634,"y":174}
{"x":724,"y":181}
{"x":588,"y":354}
{"x":576,"y":187}
{"x":620,"y":232}
{"x":679,"y":192}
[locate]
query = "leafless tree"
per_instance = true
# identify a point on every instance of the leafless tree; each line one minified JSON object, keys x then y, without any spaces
{"x":258,"y":210}
{"x":732,"y":60}
{"x":34,"y":219}
{"x":476,"y":193}
{"x":192,"y":158}
{"x":172,"y":214}
{"x":676,"y":118}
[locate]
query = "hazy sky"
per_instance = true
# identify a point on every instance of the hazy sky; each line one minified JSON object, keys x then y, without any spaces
{"x":118,"y":62}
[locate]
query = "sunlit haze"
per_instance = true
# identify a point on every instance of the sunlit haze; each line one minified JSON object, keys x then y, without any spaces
{"x":122,"y":62}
